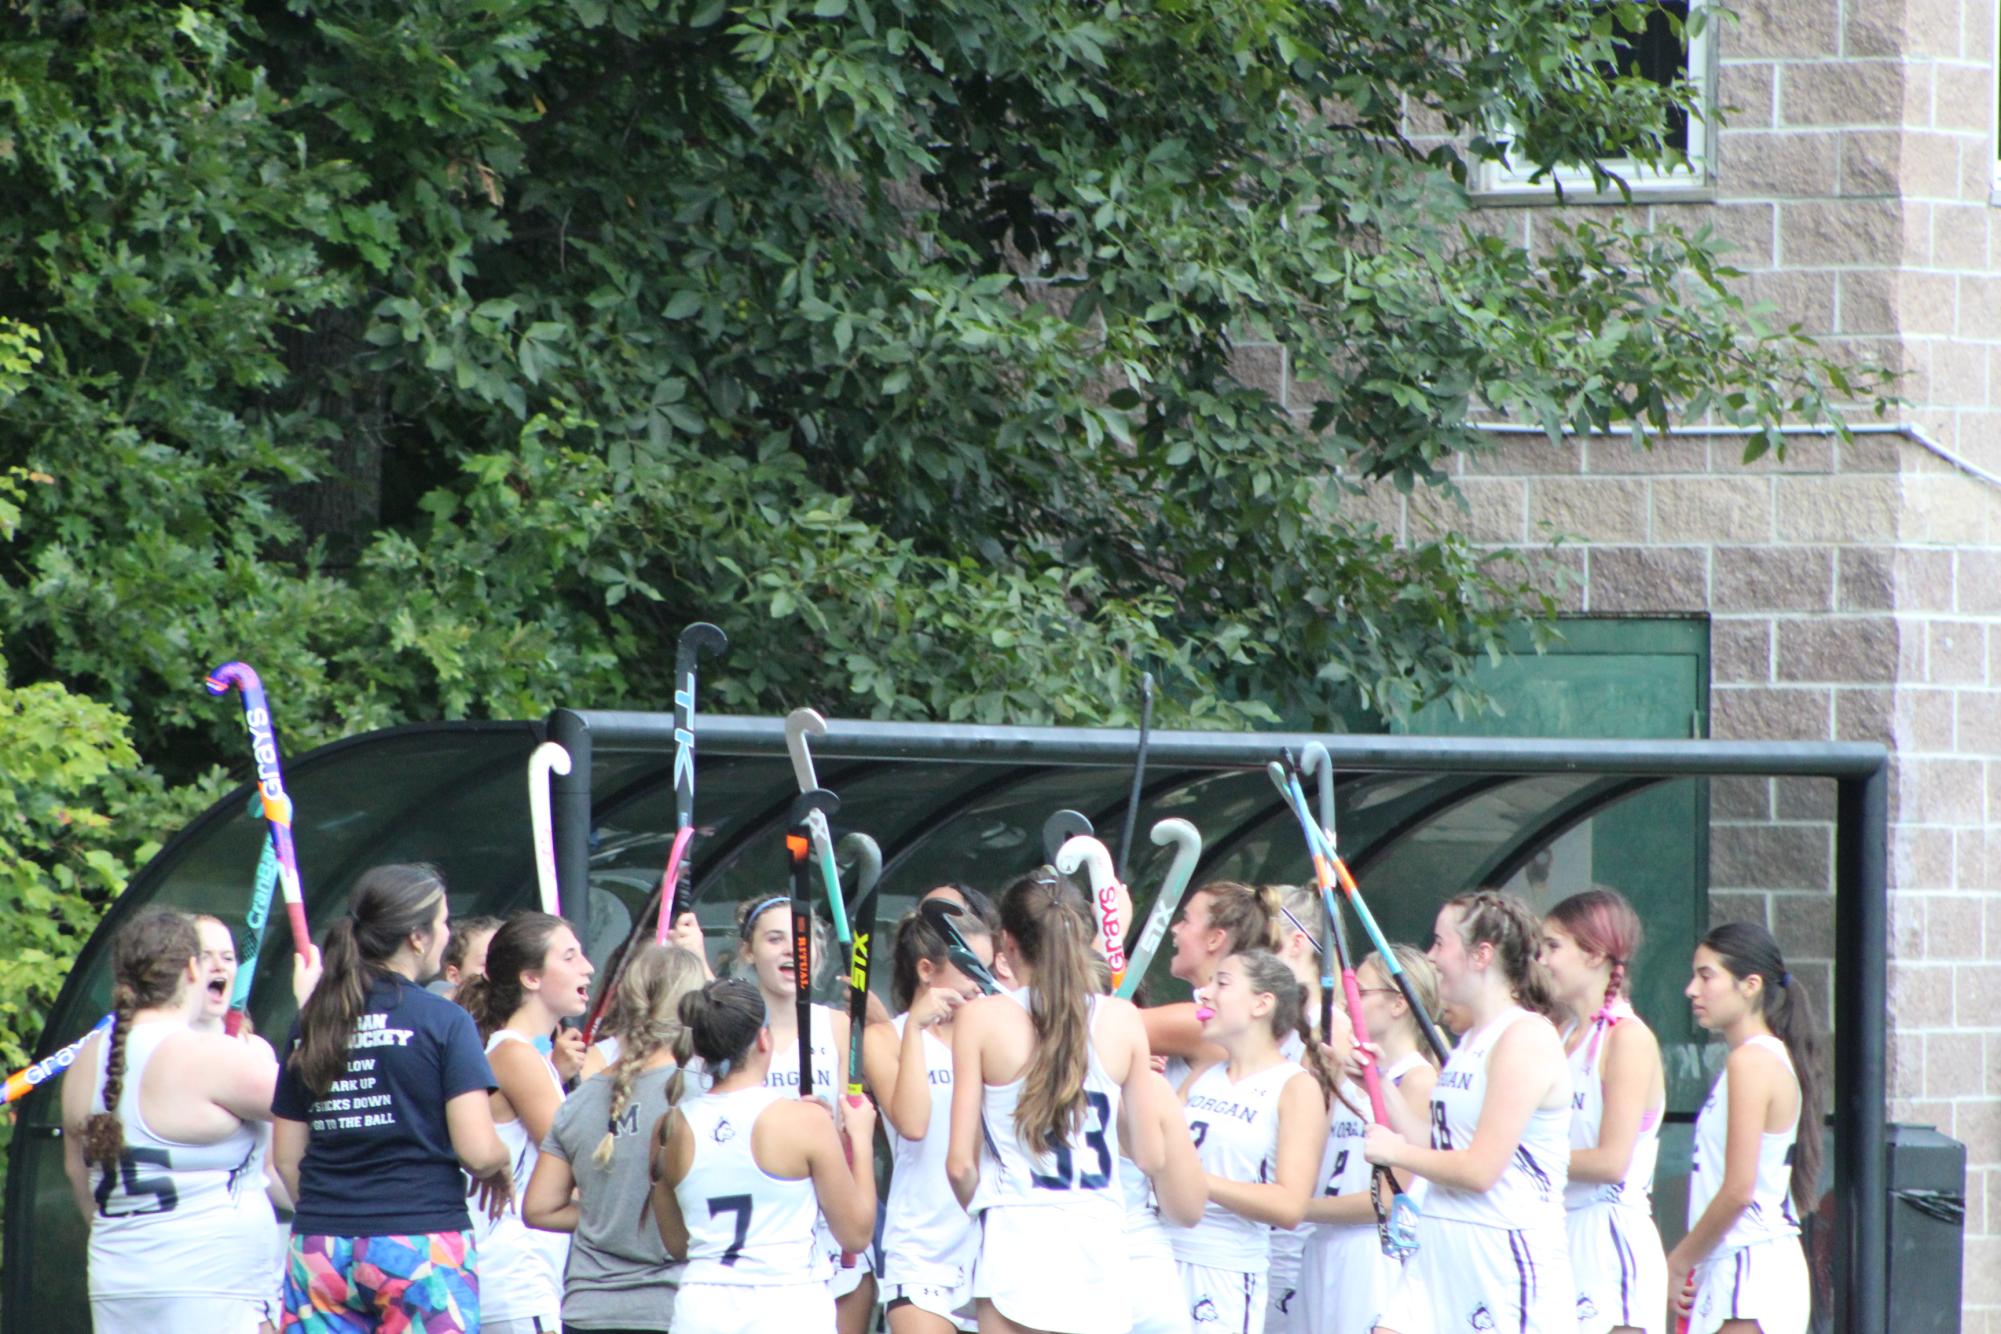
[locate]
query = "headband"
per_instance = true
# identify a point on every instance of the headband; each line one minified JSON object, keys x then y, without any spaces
{"x":750,"y":918}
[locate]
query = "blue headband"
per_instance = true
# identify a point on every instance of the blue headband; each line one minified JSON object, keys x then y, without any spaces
{"x":750,"y":918}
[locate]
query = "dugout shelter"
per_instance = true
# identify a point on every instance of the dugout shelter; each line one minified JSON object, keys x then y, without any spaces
{"x":1420,"y":818}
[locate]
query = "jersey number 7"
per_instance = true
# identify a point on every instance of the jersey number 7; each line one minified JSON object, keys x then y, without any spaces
{"x":740,"y":1206}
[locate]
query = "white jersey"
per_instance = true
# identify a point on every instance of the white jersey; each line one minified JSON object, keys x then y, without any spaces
{"x":927,"y":1238}
{"x":1079,"y":1174}
{"x":1288,"y":1244}
{"x":174,"y":1219}
{"x":1529,"y":1193}
{"x":521,"y":1268}
{"x":1770,"y":1213}
{"x":1587,"y":1118}
{"x":830,"y":1081}
{"x":1235,"y":1128}
{"x":745,"y":1226}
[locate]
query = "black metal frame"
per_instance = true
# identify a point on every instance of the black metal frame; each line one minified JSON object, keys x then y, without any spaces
{"x":1861,"y":890}
{"x":1861,"y":893}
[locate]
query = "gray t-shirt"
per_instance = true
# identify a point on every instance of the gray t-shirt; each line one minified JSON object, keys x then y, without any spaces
{"x":619,"y":1275}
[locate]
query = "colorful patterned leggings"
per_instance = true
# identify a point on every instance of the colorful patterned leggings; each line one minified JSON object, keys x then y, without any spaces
{"x":382,"y":1285}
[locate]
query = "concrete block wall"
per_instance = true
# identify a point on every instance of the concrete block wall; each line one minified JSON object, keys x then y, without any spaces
{"x":1854,"y":593}
{"x":1853,"y":590}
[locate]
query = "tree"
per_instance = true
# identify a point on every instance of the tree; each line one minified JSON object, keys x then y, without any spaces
{"x":444,"y":359}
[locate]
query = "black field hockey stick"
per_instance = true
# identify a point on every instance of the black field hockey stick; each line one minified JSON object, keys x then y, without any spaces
{"x":1059,"y":829}
{"x":697,"y":640}
{"x":799,"y":851}
{"x":860,"y":851}
{"x":1139,"y":776}
{"x":940,"y":912}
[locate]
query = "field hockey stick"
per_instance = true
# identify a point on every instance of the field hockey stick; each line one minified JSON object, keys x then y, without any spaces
{"x":270,"y":788}
{"x":1187,"y":841}
{"x":861,"y":851}
{"x":1396,"y":1224}
{"x":799,"y":848}
{"x":940,"y":912}
{"x":255,"y":921}
{"x":1059,"y":829}
{"x":1105,"y":886}
{"x":697,"y":640}
{"x":1139,"y":776}
{"x":22,"y":1082}
{"x":800,"y":724}
{"x":1324,"y":841}
{"x":549,"y":757}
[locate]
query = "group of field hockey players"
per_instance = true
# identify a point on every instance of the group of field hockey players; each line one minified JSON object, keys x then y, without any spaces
{"x":1059,"y":1159}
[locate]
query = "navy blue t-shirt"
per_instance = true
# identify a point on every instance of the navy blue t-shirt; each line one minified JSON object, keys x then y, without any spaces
{"x":379,"y":1159}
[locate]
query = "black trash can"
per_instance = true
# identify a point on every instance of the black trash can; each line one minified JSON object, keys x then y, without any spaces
{"x":1927,"y":1230}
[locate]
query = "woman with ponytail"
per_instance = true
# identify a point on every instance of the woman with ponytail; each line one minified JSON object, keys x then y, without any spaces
{"x":536,"y":976}
{"x":164,"y":1151}
{"x":1344,"y":1276}
{"x":1219,"y":919}
{"x":1618,"y":1096}
{"x":1495,"y":1145}
{"x":928,"y":1241}
{"x":1756,"y":1166}
{"x":381,"y":1101}
{"x":1038,"y":1080}
{"x":764,"y":935}
{"x":742,"y":1173}
{"x":1258,"y":1121}
{"x":590,"y":1179}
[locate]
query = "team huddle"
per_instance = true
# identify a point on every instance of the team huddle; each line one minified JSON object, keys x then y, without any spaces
{"x":1061,"y":1159}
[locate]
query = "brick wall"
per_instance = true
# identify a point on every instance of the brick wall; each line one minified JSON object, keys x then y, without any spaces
{"x":1854,"y":591}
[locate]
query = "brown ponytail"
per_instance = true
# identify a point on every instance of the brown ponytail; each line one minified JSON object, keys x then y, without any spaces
{"x":1748,"y":950}
{"x":1249,"y":917}
{"x":521,"y":943}
{"x":149,"y":961}
{"x":387,"y":905}
{"x":1505,"y":922}
{"x":1051,"y":923}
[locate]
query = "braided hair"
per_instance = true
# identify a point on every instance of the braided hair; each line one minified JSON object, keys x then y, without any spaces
{"x":1490,"y":917}
{"x":149,"y":965}
{"x":649,"y":1020}
{"x":1603,"y":923}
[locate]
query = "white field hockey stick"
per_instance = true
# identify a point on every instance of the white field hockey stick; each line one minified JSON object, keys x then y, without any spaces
{"x":1105,"y":887}
{"x":1187,"y":840}
{"x":549,"y":757}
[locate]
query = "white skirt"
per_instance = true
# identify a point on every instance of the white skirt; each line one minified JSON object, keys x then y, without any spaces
{"x":1619,"y":1268}
{"x":1467,"y":1276}
{"x":1344,"y":1280}
{"x":1766,"y":1282}
{"x":774,"y":1308}
{"x":1048,"y":1267}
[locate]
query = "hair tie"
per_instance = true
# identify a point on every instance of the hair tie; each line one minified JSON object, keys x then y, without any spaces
{"x":750,"y":918}
{"x":1785,"y":979}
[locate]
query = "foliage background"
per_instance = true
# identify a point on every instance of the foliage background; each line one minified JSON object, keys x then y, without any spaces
{"x":444,"y":358}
